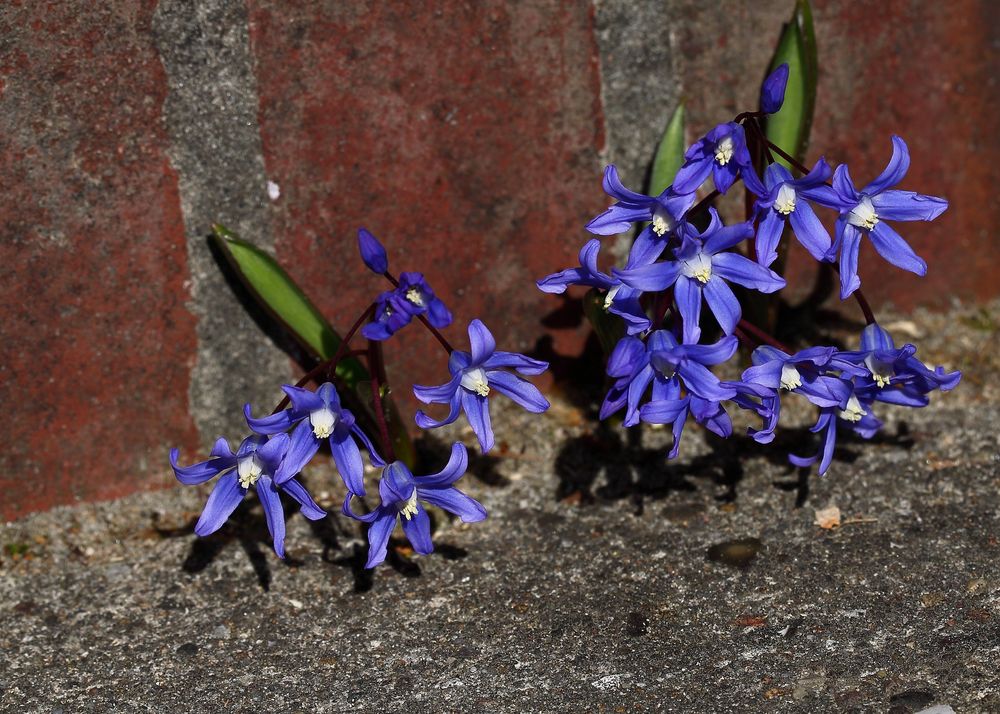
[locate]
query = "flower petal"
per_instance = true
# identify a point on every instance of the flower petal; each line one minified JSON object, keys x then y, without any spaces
{"x":347,"y":456}
{"x":891,"y":246}
{"x":223,"y":500}
{"x":654,"y":277}
{"x":768,"y":237}
{"x":202,"y":471}
{"x":302,"y":446}
{"x":418,"y":531}
{"x":424,"y":421}
{"x":458,"y":464}
{"x":521,"y":392}
{"x":740,"y":270}
{"x":310,"y":509}
{"x":688,"y":295}
{"x":477,"y":411}
{"x":727,"y":237}
{"x":469,"y":510}
{"x":273,"y":513}
{"x":894,"y":171}
{"x":481,"y":341}
{"x":810,"y":232}
{"x":850,"y":245}
{"x":440,"y":394}
{"x":378,"y":536}
{"x":722,"y":303}
{"x":524,"y":365}
{"x":908,"y":206}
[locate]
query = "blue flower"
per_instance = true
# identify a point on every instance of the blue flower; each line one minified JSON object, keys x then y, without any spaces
{"x":668,"y":366}
{"x":320,"y":418}
{"x":894,"y":375}
{"x":256,"y":463}
{"x":619,"y":299}
{"x":722,"y":152}
{"x":820,"y":374}
{"x":664,"y":212}
{"x":474,"y":375}
{"x":395,"y":309}
{"x":783,"y":201}
{"x":772,"y":92}
{"x":702,"y":267}
{"x":372,"y":252}
{"x":402,"y":493}
{"x":865,"y":212}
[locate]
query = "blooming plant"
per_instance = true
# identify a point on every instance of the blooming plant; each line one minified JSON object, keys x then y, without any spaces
{"x":662,"y":343}
{"x":684,"y":255}
{"x":285,"y":440}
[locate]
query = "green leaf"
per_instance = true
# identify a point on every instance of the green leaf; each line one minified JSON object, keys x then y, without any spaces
{"x":669,"y":154}
{"x":277,"y":293}
{"x":789,"y":127}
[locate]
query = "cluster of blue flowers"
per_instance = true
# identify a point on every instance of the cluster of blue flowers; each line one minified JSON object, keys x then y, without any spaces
{"x":660,"y":368}
{"x":282,"y":443}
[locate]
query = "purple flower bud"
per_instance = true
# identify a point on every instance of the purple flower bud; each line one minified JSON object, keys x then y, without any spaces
{"x":372,"y":252}
{"x":772,"y":92}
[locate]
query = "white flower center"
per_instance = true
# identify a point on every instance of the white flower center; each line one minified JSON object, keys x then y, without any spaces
{"x":863,"y":215}
{"x":475,"y":381}
{"x":724,"y":151}
{"x":416,"y":296}
{"x":323,"y":421}
{"x":409,"y":509}
{"x":610,"y":297}
{"x":790,"y":377}
{"x":853,"y":410}
{"x":785,"y":202}
{"x":880,"y":374}
{"x":662,"y":221}
{"x":698,"y":267}
{"x":249,"y":470}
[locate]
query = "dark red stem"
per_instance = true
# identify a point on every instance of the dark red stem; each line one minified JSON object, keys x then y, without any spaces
{"x":377,"y":367}
{"x":331,"y":364}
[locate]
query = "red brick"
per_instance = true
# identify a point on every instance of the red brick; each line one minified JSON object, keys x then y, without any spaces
{"x":97,"y":342}
{"x":465,"y":137}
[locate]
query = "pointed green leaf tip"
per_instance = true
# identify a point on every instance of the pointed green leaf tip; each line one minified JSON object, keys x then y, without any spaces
{"x":275,"y":290}
{"x":669,"y":154}
{"x":789,"y":127}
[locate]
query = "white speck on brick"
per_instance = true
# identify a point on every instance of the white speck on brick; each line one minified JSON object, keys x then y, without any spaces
{"x":273,"y":191}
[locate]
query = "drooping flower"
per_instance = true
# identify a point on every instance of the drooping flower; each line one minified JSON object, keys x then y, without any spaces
{"x":722,"y":152}
{"x":372,"y":252}
{"x":817,"y":373}
{"x":702,"y":266}
{"x":619,"y":299}
{"x":668,"y":366}
{"x":784,"y":200}
{"x":402,"y":493}
{"x":474,"y":375}
{"x":865,"y":212}
{"x":317,"y":417}
{"x":395,"y":309}
{"x":772,"y":91}
{"x":895,"y":375}
{"x":255,"y":464}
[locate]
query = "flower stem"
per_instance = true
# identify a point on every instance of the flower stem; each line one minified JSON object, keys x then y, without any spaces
{"x":761,"y":336}
{"x":377,"y":366}
{"x":331,"y":364}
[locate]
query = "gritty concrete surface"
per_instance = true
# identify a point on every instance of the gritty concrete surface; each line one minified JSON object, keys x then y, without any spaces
{"x":590,"y":587}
